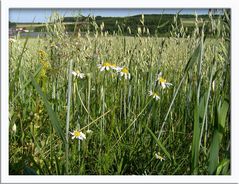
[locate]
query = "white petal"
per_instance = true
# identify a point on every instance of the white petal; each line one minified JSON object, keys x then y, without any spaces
{"x":150,"y":93}
{"x":169,"y":84}
{"x":119,"y":69}
{"x":83,"y":135}
{"x":79,"y":138}
{"x":74,"y":73}
{"x":125,"y":76}
{"x":102,"y":68}
{"x":81,"y":75}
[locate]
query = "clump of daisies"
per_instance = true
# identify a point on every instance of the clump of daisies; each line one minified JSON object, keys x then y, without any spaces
{"x":162,"y":84}
{"x":123,"y":71}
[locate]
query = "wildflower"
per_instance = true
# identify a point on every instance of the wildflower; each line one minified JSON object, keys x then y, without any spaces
{"x":159,"y":157}
{"x":42,"y":54}
{"x":124,"y":72}
{"x":163,"y":81}
{"x":104,"y":66}
{"x":154,"y":95}
{"x":78,"y":74}
{"x":107,"y":66}
{"x":78,"y":134}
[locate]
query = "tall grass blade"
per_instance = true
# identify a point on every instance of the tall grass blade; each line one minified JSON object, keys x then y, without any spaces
{"x":16,"y":75}
{"x":54,"y":120}
{"x":222,"y":111}
{"x":196,"y":138}
{"x":159,"y":143}
{"x":68,"y":114}
{"x":191,"y":61}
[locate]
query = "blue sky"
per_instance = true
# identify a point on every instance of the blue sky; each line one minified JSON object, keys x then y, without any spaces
{"x":41,"y":15}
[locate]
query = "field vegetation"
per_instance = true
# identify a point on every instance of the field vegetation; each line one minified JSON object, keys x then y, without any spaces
{"x":108,"y":104}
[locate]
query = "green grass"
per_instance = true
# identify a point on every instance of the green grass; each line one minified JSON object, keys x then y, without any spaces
{"x":189,"y":125}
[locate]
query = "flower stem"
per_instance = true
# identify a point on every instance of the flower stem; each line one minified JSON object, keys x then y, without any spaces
{"x":68,"y":115}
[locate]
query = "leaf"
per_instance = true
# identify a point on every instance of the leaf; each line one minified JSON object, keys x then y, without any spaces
{"x":16,"y":74}
{"x":194,"y":57}
{"x":223,"y":167}
{"x":54,"y":121}
{"x":159,"y":143}
{"x":26,"y":84}
{"x":196,"y":142}
{"x":217,"y":137}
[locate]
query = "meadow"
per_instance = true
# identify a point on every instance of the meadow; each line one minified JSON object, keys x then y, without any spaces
{"x":101,"y":104}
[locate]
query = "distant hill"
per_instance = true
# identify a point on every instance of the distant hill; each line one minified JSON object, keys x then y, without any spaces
{"x":155,"y":23}
{"x":159,"y":24}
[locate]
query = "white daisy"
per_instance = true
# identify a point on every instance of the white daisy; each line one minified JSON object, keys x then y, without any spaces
{"x":78,"y":135}
{"x":104,"y":66}
{"x":163,"y":81}
{"x":154,"y":95}
{"x":124,"y":72}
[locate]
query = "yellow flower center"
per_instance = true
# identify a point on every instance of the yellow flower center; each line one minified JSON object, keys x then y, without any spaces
{"x":107,"y":64}
{"x":125,"y":70}
{"x":162,"y":80}
{"x":113,"y":65}
{"x":76,"y":133}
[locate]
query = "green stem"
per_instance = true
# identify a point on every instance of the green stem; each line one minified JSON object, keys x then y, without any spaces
{"x":68,"y":115}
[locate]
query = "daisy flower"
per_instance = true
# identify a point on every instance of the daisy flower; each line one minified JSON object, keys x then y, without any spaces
{"x":78,"y":135}
{"x":163,"y":81}
{"x":159,"y":157}
{"x":124,"y":72}
{"x":78,"y":74}
{"x":104,"y":66}
{"x":154,"y":95}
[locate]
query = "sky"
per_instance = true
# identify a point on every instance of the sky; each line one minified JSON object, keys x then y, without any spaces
{"x":42,"y":15}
